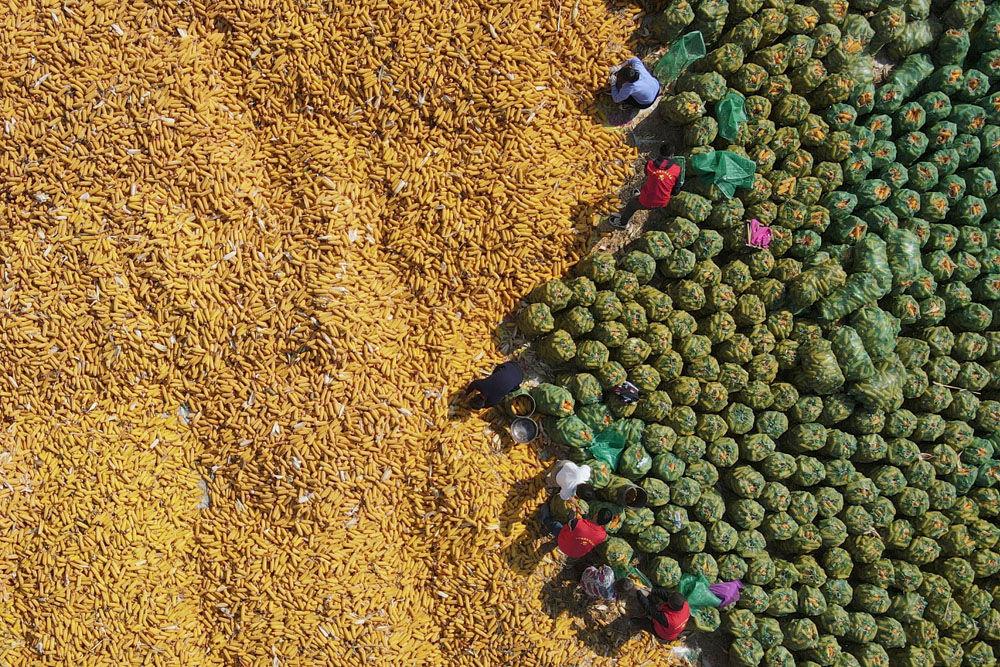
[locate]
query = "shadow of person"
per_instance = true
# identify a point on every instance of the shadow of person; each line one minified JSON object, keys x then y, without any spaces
{"x":604,"y":626}
{"x":520,"y":508}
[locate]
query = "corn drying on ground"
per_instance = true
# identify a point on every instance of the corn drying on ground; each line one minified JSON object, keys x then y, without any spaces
{"x":249,"y":251}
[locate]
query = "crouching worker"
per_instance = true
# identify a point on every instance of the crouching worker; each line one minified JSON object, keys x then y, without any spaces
{"x":570,"y":480}
{"x":489,"y":391}
{"x":634,"y":86}
{"x":577,"y":537}
{"x":667,"y":613}
{"x":662,"y":175}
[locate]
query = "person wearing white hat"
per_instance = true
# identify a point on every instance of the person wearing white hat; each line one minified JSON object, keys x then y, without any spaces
{"x":569,"y":477}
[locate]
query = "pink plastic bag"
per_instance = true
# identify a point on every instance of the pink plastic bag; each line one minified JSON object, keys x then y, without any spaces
{"x":758,"y":234}
{"x":727,"y":591}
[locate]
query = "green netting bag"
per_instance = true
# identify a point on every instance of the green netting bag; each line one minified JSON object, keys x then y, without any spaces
{"x":553,"y":400}
{"x":724,"y":169}
{"x":878,"y":330}
{"x":730,"y":113}
{"x":849,"y":349}
{"x":634,"y":463}
{"x":695,"y":589}
{"x":608,"y":446}
{"x":819,"y":366}
{"x":570,"y":432}
{"x":682,"y":53}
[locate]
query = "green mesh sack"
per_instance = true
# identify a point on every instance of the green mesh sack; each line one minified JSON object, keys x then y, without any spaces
{"x":672,"y":517}
{"x":829,"y":501}
{"x":746,"y":651}
{"x":632,"y":353}
{"x":803,"y":507}
{"x":611,"y":334}
{"x":778,"y":466}
{"x":616,"y":551}
{"x":679,"y":264}
{"x":598,"y":267}
{"x":740,"y":623}
{"x":809,"y":471}
{"x":597,"y":417}
{"x":862,"y":627}
{"x":776,"y":497}
{"x":783,"y":601}
{"x":819,"y":366}
{"x":745,"y":513}
{"x":553,"y":293}
{"x":571,"y":432}
{"x":652,"y":540}
{"x":557,"y":348}
{"x":535,"y":320}
{"x":607,"y":306}
{"x":625,"y":283}
{"x":585,"y":388}
{"x":905,"y":308}
{"x":723,"y":452}
{"x":633,"y":317}
{"x":656,"y":244}
{"x":654,"y":404}
{"x":779,"y":526}
{"x":634,"y":463}
{"x":612,"y":374}
{"x":870,"y":598}
{"x":583,"y":289}
{"x":800,"y":634}
{"x":641,"y":265}
{"x":658,"y":439}
{"x":772,"y":423}
{"x":665,"y":572}
{"x":835,"y":621}
{"x":964,"y":630}
{"x":838,"y":563}
{"x":553,"y":400}
{"x":850,"y":353}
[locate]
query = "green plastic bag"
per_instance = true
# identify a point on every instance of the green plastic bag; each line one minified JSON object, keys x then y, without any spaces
{"x":683,"y":52}
{"x":726,"y":170}
{"x":608,"y":446}
{"x":730,"y":113}
{"x":694,"y":587}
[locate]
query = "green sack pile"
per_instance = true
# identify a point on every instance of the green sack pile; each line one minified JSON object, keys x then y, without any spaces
{"x":819,"y":419}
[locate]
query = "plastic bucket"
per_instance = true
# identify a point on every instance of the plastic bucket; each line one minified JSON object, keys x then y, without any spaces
{"x":523,"y":429}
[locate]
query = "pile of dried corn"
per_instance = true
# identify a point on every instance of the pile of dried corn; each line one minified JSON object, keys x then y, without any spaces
{"x":254,"y":247}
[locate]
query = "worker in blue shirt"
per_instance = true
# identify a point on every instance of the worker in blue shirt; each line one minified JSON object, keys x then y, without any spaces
{"x":634,"y":86}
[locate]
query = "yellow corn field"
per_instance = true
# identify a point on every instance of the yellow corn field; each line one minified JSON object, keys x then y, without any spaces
{"x":249,"y":251}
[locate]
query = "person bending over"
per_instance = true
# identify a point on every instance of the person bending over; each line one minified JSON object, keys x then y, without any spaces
{"x":634,"y":86}
{"x":662,"y":175}
{"x":667,"y":613}
{"x":489,"y":391}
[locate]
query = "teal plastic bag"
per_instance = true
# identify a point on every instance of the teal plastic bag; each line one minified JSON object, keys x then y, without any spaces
{"x":681,"y":53}
{"x":726,"y":170}
{"x":631,"y":572}
{"x":730,"y":112}
{"x":608,"y":446}
{"x":694,"y":587}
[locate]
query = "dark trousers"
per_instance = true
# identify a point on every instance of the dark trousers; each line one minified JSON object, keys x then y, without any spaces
{"x":632,"y":103}
{"x":649,"y":604}
{"x":631,"y":207}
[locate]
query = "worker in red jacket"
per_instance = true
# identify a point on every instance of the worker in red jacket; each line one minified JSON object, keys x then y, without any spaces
{"x":667,"y":614}
{"x":577,"y":537}
{"x":662,"y":175}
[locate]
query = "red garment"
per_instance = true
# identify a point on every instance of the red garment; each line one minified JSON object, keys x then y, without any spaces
{"x":578,"y":538}
{"x":676,"y":622}
{"x":659,"y":185}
